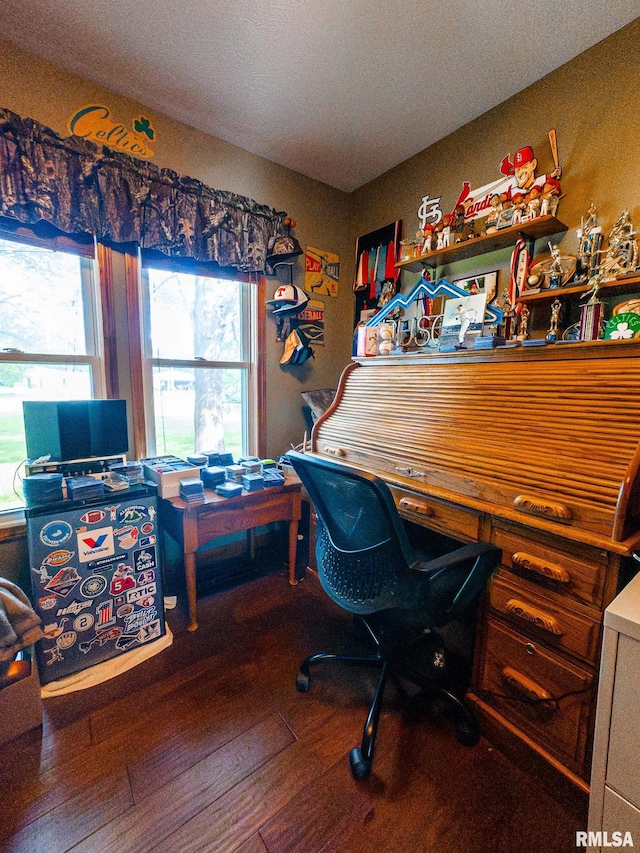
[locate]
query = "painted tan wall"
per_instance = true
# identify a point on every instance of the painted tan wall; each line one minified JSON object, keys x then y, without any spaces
{"x":36,"y":89}
{"x":591,"y":102}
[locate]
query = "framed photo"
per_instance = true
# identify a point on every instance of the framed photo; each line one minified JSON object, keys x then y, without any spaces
{"x":462,"y":320}
{"x":487,"y":283}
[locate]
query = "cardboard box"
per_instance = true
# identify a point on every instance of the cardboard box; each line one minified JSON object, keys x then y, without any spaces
{"x":20,"y":706}
{"x":166,"y":472}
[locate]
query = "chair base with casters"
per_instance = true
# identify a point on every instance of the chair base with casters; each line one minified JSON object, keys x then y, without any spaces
{"x":394,"y":664}
{"x":400,"y":596}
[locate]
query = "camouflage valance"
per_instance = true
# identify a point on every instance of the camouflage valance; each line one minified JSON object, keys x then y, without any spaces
{"x":81,"y":187}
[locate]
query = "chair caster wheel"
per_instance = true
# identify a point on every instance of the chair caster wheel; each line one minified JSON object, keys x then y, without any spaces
{"x":467,"y":732}
{"x":360,"y":768}
{"x":303,"y":682}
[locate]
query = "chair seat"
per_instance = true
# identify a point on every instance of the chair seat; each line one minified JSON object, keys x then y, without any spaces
{"x":403,"y":597}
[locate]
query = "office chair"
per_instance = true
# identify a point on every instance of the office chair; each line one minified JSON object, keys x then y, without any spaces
{"x":367,"y":565}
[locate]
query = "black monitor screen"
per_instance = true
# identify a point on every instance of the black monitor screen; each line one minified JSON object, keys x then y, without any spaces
{"x":75,"y":429}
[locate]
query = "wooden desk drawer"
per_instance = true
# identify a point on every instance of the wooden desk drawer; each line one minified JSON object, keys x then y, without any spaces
{"x":541,"y":561}
{"x":544,"y":620}
{"x":448,"y":518}
{"x":544,"y":696}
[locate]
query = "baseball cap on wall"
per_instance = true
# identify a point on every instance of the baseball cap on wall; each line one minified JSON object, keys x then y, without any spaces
{"x":288,"y":299}
{"x":284,"y":251}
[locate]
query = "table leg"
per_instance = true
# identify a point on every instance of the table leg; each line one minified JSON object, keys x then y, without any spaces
{"x":293,"y":547}
{"x":190,"y":578}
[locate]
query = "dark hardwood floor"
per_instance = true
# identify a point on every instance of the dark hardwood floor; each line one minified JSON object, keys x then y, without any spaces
{"x":208,"y":747}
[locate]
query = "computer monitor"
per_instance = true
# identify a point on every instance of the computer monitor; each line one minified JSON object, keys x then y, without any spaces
{"x":75,"y":429}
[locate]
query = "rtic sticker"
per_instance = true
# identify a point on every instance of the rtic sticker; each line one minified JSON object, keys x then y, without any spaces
{"x":135,"y":596}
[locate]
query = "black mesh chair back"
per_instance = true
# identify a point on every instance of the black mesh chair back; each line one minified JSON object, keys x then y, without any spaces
{"x":366,"y":565}
{"x":362,"y":549}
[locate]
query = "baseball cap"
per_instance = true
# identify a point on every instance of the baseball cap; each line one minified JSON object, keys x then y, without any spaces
{"x":288,"y":299}
{"x":523,"y":155}
{"x":283,"y":251}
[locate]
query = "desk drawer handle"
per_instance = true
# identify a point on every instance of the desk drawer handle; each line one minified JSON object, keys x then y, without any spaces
{"x":527,"y":687}
{"x":534,"y":616}
{"x":413,"y":473}
{"x":536,"y":506}
{"x":334,"y":451}
{"x":520,"y":560}
{"x":416,"y":506}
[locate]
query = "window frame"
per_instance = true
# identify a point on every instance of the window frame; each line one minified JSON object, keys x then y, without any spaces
{"x":97,"y":289}
{"x":142,"y":364}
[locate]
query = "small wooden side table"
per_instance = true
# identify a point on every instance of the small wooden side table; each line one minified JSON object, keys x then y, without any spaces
{"x":196,"y":524}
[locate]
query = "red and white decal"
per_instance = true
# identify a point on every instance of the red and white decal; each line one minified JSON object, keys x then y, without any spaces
{"x":93,"y":516}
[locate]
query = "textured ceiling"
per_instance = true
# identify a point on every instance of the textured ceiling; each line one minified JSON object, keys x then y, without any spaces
{"x":339,"y":91}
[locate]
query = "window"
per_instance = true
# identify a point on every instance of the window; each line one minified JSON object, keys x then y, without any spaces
{"x":201,"y":389}
{"x":50,"y":344}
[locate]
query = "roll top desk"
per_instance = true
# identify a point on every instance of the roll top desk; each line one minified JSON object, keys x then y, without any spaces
{"x":536,"y":450}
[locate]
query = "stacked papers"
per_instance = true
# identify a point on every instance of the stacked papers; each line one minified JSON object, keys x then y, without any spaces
{"x":84,"y":488}
{"x":252,"y":482}
{"x":229,"y":489}
{"x":192,"y":489}
{"x":212,"y":476}
{"x":234,"y":473}
{"x":273,"y":477}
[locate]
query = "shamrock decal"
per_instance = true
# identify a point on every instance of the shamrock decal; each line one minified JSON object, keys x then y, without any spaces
{"x":623,"y":327}
{"x":143,"y":125}
{"x":621,"y":332}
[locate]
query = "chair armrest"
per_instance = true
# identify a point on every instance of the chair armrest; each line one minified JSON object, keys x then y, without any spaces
{"x":466,"y":552}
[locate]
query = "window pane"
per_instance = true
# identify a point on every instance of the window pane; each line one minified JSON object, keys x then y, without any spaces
{"x":216,"y":424}
{"x":25,"y":381}
{"x":195,"y":317}
{"x":41,"y":300}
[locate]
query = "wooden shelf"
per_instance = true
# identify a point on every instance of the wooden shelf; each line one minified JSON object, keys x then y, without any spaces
{"x":543,"y":226}
{"x":619,"y":285}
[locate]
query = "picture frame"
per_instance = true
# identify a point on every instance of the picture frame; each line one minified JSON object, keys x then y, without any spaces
{"x":376,"y":275}
{"x":462,"y":320}
{"x":486,"y":282}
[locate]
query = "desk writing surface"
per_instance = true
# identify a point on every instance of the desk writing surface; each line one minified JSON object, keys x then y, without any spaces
{"x":193,"y":525}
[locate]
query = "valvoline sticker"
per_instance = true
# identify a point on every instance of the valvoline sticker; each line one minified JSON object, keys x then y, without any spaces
{"x":95,"y":543}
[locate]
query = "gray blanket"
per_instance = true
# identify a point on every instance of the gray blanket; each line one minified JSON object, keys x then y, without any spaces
{"x":20,"y":625}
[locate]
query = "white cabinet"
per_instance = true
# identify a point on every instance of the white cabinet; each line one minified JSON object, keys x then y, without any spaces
{"x":614,"y":802}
